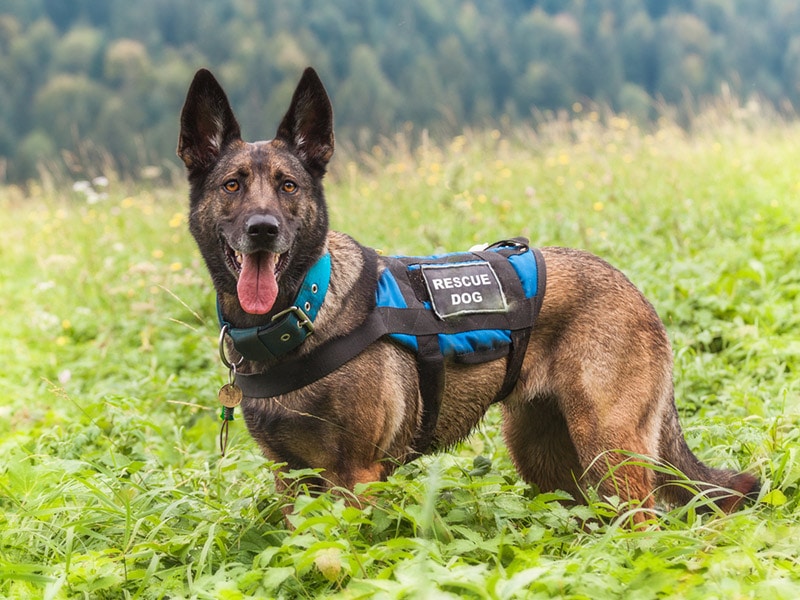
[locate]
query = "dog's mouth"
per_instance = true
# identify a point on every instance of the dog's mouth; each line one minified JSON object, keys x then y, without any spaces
{"x":257,"y":275}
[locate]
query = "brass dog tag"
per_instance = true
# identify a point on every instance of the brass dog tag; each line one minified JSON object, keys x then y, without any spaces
{"x":230,"y":395}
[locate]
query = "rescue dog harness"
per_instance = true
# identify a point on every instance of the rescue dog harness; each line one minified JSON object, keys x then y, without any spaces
{"x":466,"y":307}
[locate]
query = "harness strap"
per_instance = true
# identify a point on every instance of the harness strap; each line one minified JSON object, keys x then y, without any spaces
{"x":520,"y":338}
{"x":430,"y":369}
{"x":293,"y":373}
{"x":516,"y":356}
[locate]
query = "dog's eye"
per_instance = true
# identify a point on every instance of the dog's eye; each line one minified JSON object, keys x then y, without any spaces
{"x":289,"y":186}
{"x":231,"y":186}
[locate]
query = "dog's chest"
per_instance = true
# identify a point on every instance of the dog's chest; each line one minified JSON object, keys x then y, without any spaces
{"x":292,"y":432}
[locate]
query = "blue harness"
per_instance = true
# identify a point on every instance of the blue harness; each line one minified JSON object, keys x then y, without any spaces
{"x":461,"y":289}
{"x":466,"y":307}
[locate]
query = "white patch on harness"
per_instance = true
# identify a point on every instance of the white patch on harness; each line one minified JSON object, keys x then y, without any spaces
{"x":464,"y":289}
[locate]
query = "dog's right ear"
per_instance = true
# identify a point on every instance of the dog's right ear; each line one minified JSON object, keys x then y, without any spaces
{"x":207,"y":122}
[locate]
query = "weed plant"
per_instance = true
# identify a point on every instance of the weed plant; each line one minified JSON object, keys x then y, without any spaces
{"x":111,"y":483}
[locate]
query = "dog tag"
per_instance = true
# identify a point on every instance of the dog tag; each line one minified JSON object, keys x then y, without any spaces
{"x":230,"y":395}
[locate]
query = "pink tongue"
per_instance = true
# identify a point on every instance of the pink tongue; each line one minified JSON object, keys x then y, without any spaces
{"x":257,"y":287}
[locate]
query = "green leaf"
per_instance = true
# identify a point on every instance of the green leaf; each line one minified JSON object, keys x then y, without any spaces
{"x":481,"y":465}
{"x":275,"y":576}
{"x":774,"y":498}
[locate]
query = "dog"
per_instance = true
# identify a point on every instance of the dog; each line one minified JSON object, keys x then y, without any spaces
{"x":590,"y":402}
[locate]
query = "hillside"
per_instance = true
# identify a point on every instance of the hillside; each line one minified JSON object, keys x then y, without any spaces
{"x":92,"y":86}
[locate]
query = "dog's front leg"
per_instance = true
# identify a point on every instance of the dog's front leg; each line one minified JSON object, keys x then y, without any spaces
{"x":341,"y":483}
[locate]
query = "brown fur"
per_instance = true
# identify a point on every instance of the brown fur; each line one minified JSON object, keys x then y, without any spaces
{"x":596,"y":379}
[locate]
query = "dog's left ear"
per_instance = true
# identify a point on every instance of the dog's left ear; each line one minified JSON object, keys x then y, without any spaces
{"x":207,"y":122}
{"x":308,"y":124}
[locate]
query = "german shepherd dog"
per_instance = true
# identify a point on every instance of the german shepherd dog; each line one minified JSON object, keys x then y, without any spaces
{"x":593,"y":402}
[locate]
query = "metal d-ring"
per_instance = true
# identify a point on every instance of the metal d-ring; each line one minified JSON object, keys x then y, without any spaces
{"x":222,"y":356}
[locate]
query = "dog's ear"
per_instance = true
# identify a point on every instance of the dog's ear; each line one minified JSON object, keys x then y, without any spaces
{"x":308,"y":124}
{"x":207,"y":122}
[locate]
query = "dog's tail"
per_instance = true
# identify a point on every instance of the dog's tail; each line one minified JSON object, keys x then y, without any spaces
{"x":729,"y":490}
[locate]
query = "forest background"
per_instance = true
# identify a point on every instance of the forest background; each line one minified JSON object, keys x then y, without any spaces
{"x":89,"y":87}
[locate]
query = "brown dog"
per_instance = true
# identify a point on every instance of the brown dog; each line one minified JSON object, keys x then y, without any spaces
{"x":593,"y":377}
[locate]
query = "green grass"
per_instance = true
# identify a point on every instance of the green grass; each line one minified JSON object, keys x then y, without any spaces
{"x":111,"y":483}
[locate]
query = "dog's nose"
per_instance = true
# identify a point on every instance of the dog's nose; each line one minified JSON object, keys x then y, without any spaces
{"x":265,"y":227}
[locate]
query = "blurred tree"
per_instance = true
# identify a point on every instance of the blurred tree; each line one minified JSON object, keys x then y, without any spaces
{"x":35,"y":149}
{"x":682,"y":43}
{"x":67,"y":106}
{"x":791,"y":72}
{"x":635,"y":102}
{"x":117,"y":71}
{"x":452,"y":56}
{"x":126,"y":62}
{"x":29,"y":57}
{"x":603,"y":72}
{"x":425,"y":92}
{"x":10,"y":29}
{"x":541,"y":86}
{"x":367,"y":97}
{"x":120,"y":125}
{"x":79,"y":51}
{"x":638,"y":51}
{"x":548,"y":51}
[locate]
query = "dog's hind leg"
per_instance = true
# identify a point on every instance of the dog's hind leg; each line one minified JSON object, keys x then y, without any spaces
{"x":616,"y":445}
{"x":554,"y":453}
{"x":539,"y":442}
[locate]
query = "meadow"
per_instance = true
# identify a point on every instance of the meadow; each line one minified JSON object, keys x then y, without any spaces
{"x":111,"y":481}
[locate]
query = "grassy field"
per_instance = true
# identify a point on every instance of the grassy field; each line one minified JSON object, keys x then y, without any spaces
{"x":111,"y":483}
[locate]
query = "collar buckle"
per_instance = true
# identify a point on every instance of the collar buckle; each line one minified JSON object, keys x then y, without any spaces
{"x":303,"y":320}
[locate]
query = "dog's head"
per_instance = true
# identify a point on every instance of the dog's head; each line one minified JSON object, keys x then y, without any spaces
{"x":257,"y":209}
